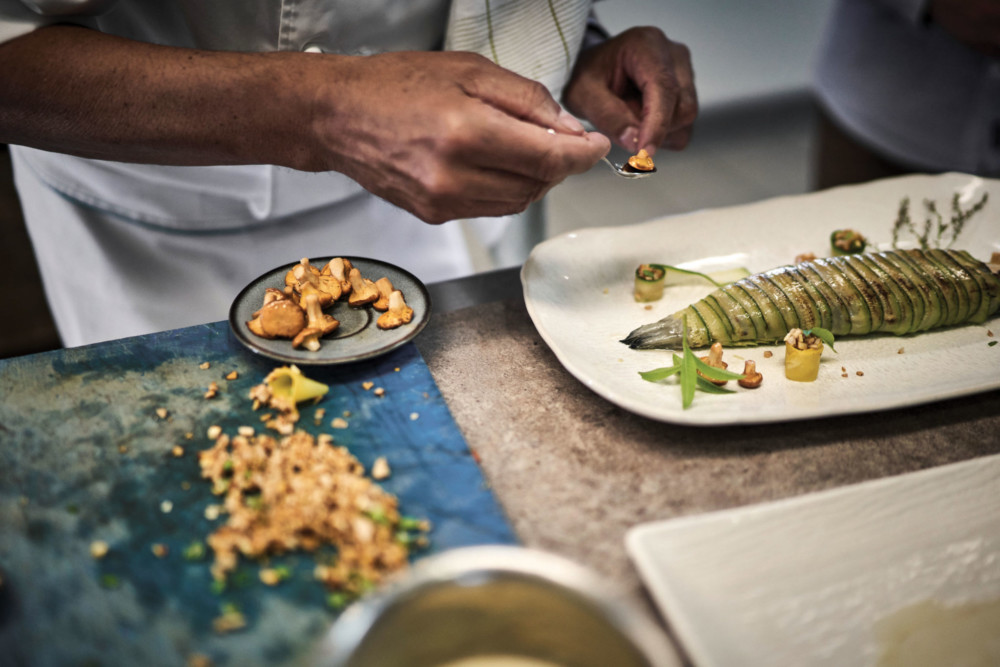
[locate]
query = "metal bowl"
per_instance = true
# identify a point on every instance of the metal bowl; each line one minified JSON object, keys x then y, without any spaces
{"x":495,"y":601}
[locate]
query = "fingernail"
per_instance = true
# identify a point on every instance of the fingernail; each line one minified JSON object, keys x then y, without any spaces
{"x":570,"y":122}
{"x":629,"y":138}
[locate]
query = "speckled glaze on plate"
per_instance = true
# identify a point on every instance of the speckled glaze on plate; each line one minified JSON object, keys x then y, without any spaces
{"x":356,"y":338}
{"x":578,"y":292}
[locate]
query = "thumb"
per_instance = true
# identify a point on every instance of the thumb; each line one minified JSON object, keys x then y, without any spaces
{"x":613,"y":116}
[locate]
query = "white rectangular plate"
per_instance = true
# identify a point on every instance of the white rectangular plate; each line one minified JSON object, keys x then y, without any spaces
{"x":578,"y":291}
{"x":808,"y":580}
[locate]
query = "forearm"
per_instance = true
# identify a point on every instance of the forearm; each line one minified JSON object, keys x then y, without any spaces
{"x":443,"y":135}
{"x":77,"y":91}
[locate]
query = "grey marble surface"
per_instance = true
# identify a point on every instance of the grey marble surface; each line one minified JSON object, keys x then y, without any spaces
{"x":574,"y":472}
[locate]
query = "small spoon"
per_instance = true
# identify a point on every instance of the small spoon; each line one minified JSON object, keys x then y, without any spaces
{"x":626,"y":171}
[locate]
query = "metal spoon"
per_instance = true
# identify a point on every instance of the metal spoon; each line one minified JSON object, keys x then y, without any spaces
{"x":626,"y":171}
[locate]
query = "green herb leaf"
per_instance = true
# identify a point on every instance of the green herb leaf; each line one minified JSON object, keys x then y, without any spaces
{"x":712,"y":388}
{"x":660,"y":374}
{"x":689,"y":376}
{"x":823,"y":334}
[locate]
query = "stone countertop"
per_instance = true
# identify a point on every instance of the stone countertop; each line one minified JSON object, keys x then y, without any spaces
{"x":574,"y":472}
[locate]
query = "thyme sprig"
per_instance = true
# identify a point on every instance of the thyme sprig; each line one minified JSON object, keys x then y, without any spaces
{"x":935,"y":230}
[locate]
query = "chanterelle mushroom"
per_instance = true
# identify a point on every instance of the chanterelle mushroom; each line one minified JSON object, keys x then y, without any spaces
{"x":340,"y":269}
{"x":397,"y":315}
{"x":282,"y":318}
{"x":309,"y":280}
{"x":363,"y":291}
{"x":294,"y":276}
{"x":752,"y":377}
{"x":319,"y":324}
{"x":385,"y":288}
{"x":714,"y":359}
{"x":641,"y":161}
{"x":270,"y":294}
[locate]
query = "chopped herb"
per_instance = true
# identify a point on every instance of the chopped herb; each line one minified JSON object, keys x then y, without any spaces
{"x":194,"y":551}
{"x":991,"y":343}
{"x":110,"y":581}
{"x":413,"y":523}
{"x":378,"y":515}
{"x":337,"y":600}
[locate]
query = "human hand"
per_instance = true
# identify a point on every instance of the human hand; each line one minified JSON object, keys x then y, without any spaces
{"x":973,"y":22}
{"x":637,"y":87}
{"x":447,"y":135}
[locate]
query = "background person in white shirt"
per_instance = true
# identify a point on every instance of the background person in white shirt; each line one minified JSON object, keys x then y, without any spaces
{"x":168,"y":151}
{"x":908,"y":86}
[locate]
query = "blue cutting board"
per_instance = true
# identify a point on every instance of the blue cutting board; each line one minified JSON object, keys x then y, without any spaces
{"x":84,"y":456}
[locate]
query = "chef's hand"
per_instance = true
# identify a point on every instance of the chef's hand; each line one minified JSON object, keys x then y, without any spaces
{"x":974,"y":22}
{"x":448,"y":135}
{"x":637,"y":87}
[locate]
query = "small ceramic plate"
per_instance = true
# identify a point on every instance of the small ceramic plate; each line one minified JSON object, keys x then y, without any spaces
{"x":356,"y":338}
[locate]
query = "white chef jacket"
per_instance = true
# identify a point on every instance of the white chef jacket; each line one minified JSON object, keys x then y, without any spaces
{"x":126,"y":249}
{"x":908,"y":89}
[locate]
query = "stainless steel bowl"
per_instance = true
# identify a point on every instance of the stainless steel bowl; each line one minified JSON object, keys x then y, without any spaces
{"x":490,"y":601}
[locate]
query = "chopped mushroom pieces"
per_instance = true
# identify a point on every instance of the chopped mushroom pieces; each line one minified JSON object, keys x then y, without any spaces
{"x":380,"y":468}
{"x":98,"y":549}
{"x":294,"y":493}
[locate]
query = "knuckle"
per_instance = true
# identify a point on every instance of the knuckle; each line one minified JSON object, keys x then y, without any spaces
{"x":437,"y":183}
{"x":536,"y":93}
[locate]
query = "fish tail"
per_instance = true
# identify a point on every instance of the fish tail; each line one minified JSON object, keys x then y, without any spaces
{"x":666,"y":333}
